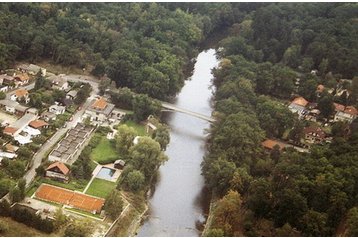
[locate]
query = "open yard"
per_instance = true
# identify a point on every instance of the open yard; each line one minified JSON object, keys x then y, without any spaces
{"x":104,"y":151}
{"x":4,"y":117}
{"x":140,"y":129}
{"x":100,"y":188}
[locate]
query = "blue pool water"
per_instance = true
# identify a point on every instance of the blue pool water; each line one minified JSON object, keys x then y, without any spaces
{"x":105,"y":173}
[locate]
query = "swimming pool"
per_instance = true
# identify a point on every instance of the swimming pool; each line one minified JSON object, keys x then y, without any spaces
{"x":106,"y":173}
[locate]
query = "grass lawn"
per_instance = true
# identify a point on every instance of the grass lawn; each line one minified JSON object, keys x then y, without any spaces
{"x":83,"y":212}
{"x":104,"y":151}
{"x":100,"y":188}
{"x":74,"y":184}
{"x":140,"y":129}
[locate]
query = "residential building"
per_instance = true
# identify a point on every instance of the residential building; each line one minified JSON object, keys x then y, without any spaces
{"x":38,"y":124}
{"x":119,"y":164}
{"x":21,"y":79}
{"x":70,"y":145}
{"x":15,"y":128}
{"x":314,"y":135}
{"x":11,"y":148}
{"x":7,"y":80}
{"x":58,"y":170}
{"x":48,"y":116}
{"x":32,"y":69}
{"x":13,"y":107}
{"x":298,"y":105}
{"x":99,"y":111}
{"x":349,"y":114}
{"x":269,"y":144}
{"x":4,"y":88}
{"x":71,"y":94}
{"x":19,"y":95}
{"x":57,"y":109}
{"x":58,"y":82}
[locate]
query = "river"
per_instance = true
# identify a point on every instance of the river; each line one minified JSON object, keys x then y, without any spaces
{"x":179,"y":200}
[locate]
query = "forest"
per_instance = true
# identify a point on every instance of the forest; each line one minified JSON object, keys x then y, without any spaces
{"x":283,"y":192}
{"x":149,"y":47}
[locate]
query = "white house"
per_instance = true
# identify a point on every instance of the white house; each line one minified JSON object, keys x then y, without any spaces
{"x":57,"y":109}
{"x":99,"y":111}
{"x":349,"y":114}
{"x":13,"y":107}
{"x":20,"y":94}
{"x":58,"y":82}
{"x":298,"y":105}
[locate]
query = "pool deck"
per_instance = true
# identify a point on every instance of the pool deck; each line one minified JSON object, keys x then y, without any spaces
{"x":115,"y":176}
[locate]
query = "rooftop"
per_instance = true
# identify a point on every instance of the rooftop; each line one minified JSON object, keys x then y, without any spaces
{"x":99,"y":104}
{"x":22,"y":77}
{"x":38,"y":124}
{"x":21,"y":92}
{"x":300,"y":101}
{"x":16,"y":105}
{"x":61,"y":166}
{"x":315,"y":131}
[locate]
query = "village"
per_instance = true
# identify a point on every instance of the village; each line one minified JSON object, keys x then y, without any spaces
{"x":60,"y":132}
{"x":316,"y":128}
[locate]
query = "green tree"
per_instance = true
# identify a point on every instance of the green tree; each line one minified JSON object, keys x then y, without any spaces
{"x":2,"y":95}
{"x":143,"y":106}
{"x":114,"y":204}
{"x":134,"y":181}
{"x":352,"y":222}
{"x":325,"y":105}
{"x":124,"y":139}
{"x":79,"y":228}
{"x":162,"y":136}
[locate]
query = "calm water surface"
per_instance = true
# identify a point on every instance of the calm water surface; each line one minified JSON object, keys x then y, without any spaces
{"x":178,"y":202}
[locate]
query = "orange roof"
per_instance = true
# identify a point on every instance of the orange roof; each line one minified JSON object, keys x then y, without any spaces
{"x":21,"y":92}
{"x":10,"y":130}
{"x":300,"y":101}
{"x":22,"y":77}
{"x":100,"y":104}
{"x":38,"y":123}
{"x":351,"y":110}
{"x":338,"y":107}
{"x":11,"y":148}
{"x":269,"y":144}
{"x":63,"y":168}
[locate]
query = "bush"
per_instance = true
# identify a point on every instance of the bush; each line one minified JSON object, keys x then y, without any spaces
{"x":3,"y":227}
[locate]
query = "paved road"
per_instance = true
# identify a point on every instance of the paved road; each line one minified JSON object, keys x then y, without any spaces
{"x":37,"y":159}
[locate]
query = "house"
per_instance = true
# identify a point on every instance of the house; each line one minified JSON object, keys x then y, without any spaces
{"x":21,"y":79}
{"x":58,"y":82}
{"x":119,"y":164}
{"x":349,"y":114}
{"x":32,"y":69}
{"x":38,"y":124}
{"x":298,"y":105}
{"x":10,"y":130}
{"x":66,"y":102}
{"x":99,"y":111}
{"x":15,"y":128}
{"x":7,"y":80}
{"x":58,"y":170}
{"x":4,"y":88}
{"x":20,"y":94}
{"x":13,"y":107}
{"x":48,"y":116}
{"x":269,"y":144}
{"x":11,"y":148}
{"x":57,"y":109}
{"x":314,"y":135}
{"x":7,"y":155}
{"x":71,"y":94}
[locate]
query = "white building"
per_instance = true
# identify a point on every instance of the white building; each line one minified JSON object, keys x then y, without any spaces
{"x":57,"y":109}
{"x":298,"y":105}
{"x":99,"y":111}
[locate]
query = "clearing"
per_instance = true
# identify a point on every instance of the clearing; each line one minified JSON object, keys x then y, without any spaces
{"x":101,"y":188}
{"x":104,"y":151}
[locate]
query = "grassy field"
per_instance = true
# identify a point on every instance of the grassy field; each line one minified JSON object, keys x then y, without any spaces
{"x":78,"y":185}
{"x":16,"y":229}
{"x":140,"y":129}
{"x":104,"y":151}
{"x":100,"y":188}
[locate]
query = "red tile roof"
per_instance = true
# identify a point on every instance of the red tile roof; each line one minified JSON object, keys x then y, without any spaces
{"x":10,"y":130}
{"x":269,"y":144}
{"x":351,"y":110}
{"x":315,"y":131}
{"x":300,"y":101}
{"x":320,"y":88}
{"x":22,"y":77}
{"x":11,"y":148}
{"x":338,"y":107}
{"x":21,"y":92}
{"x":100,"y":104}
{"x":38,"y":124}
{"x":63,"y":168}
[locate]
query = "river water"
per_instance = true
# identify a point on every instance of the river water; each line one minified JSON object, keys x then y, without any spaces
{"x":179,"y":199}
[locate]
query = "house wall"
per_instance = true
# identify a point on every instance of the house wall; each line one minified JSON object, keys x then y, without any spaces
{"x":56,"y":175}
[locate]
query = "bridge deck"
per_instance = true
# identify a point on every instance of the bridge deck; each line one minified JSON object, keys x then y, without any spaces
{"x":172,"y":107}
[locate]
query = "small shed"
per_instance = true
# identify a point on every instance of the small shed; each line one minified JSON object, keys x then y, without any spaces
{"x":119,"y":164}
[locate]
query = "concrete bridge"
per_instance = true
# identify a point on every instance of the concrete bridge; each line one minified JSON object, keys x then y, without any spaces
{"x":172,"y":107}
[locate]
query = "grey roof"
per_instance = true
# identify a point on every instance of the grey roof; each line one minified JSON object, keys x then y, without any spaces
{"x":72,"y":93}
{"x":48,"y":114}
{"x":34,"y":68}
{"x":57,"y":80}
{"x":7,"y":77}
{"x":16,"y":105}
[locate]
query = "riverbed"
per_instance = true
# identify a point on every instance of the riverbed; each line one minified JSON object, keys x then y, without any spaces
{"x":178,"y":203}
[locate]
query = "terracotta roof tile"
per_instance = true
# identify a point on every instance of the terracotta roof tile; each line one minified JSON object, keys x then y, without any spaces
{"x":63,"y":168}
{"x":338,"y":107}
{"x":100,"y":104}
{"x":10,"y":130}
{"x":351,"y":110}
{"x":22,"y":77}
{"x":21,"y":92}
{"x":269,"y":144}
{"x":38,"y":124}
{"x":300,"y":101}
